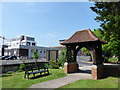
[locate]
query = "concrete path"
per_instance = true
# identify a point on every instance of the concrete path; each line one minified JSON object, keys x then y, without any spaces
{"x":56,"y":83}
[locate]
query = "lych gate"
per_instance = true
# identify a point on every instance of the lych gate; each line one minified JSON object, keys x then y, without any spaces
{"x":87,"y":39}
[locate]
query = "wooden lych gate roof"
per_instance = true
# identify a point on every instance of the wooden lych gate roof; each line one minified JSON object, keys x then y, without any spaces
{"x":83,"y":36}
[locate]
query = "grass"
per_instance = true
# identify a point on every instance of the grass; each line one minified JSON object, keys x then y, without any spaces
{"x":81,"y":58}
{"x":112,"y":59}
{"x":0,"y":83}
{"x":110,"y":82}
{"x":16,"y":80}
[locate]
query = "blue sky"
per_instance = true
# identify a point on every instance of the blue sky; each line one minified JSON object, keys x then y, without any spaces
{"x":48,"y":22}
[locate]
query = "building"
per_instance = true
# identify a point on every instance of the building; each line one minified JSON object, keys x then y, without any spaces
{"x":53,"y":53}
{"x":23,"y":46}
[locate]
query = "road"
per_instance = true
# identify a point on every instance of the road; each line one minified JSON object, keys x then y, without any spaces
{"x":83,"y":65}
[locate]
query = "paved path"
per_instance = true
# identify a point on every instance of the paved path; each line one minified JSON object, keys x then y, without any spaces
{"x":56,"y":83}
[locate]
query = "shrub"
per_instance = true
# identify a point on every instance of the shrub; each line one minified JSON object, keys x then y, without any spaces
{"x":35,"y":55}
{"x":9,"y":72}
{"x":19,"y":70}
{"x":22,"y":67}
{"x":106,"y":60}
{"x":23,"y":60}
{"x":112,"y":59}
{"x":53,"y":64}
{"x":62,"y":58}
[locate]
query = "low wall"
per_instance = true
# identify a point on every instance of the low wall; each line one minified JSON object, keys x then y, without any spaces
{"x":97,"y":71}
{"x":103,"y":71}
{"x":13,"y":67}
{"x":70,"y":67}
{"x":6,"y":68}
{"x":111,"y":70}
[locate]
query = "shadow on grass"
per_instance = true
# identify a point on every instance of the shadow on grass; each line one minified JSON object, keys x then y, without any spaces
{"x":6,"y":75}
{"x":39,"y":76}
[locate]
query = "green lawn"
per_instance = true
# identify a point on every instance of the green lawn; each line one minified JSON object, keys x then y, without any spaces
{"x":112,"y":59}
{"x":110,"y":82}
{"x":16,"y":80}
{"x":0,"y":83}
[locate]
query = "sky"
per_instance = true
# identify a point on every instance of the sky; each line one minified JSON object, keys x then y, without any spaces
{"x":48,"y":22}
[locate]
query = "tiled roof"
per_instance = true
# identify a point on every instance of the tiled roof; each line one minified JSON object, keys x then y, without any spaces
{"x":82,"y":36}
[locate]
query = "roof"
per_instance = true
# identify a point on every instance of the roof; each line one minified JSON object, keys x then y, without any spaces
{"x":83,"y":36}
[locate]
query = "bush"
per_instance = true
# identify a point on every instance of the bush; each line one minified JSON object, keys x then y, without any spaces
{"x":112,"y":59}
{"x":35,"y":55}
{"x":62,"y":58}
{"x":10,"y":72}
{"x":53,"y":64}
{"x":19,"y":70}
{"x":22,"y":67}
{"x":106,"y":60}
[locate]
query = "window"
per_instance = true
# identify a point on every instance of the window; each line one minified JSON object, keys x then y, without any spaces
{"x":33,"y":44}
{"x":40,"y":51}
{"x":30,"y":39}
{"x":28,"y":43}
{"x":23,"y":43}
{"x":36,"y":50}
{"x":44,"y":51}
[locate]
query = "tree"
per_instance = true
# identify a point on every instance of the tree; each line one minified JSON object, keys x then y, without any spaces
{"x":85,"y":51}
{"x":62,"y":58}
{"x":35,"y":55}
{"x":109,"y":18}
{"x":99,"y":34}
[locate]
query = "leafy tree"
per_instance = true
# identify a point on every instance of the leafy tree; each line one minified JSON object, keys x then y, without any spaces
{"x":109,"y":18}
{"x":35,"y":55}
{"x":99,"y":34}
{"x":62,"y":58}
{"x":105,"y":47}
{"x":85,"y":51}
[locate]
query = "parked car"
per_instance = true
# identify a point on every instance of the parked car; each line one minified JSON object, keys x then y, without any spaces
{"x":0,"y":57}
{"x":3,"y":57}
{"x":11,"y":58}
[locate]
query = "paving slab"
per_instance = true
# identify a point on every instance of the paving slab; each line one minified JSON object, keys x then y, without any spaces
{"x":56,"y":83}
